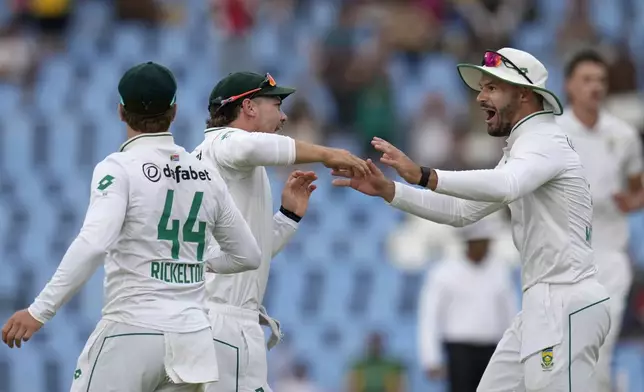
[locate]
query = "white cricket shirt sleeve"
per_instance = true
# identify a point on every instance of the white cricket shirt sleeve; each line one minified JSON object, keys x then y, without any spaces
{"x":240,"y":150}
{"x":439,"y":208}
{"x":283,"y":230}
{"x":633,"y":164}
{"x":101,"y":228}
{"x":429,"y":318}
{"x":239,"y":251}
{"x":531,"y":164}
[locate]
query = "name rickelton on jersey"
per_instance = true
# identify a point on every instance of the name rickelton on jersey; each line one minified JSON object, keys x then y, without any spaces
{"x":153,"y":173}
{"x":171,"y":272}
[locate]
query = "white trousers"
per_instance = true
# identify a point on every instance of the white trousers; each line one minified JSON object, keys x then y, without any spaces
{"x":553,"y":344}
{"x":123,"y":358}
{"x":616,"y":275}
{"x":241,"y":350}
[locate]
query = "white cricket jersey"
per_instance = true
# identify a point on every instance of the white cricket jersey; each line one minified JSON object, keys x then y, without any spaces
{"x":464,"y":302}
{"x":153,"y":211}
{"x":542,"y":180}
{"x":611,"y":152}
{"x":239,"y":157}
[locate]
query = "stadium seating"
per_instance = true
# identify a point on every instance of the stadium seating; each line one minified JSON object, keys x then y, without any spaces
{"x":330,"y":287}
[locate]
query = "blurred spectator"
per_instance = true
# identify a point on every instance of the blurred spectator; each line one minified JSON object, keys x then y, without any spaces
{"x":466,"y":305}
{"x":377,"y":372}
{"x":375,"y":115}
{"x":578,"y":30}
{"x":301,"y":124}
{"x":491,"y":22}
{"x":49,"y":17}
{"x":148,"y":11}
{"x":234,"y":21}
{"x":18,"y":57}
{"x":336,"y":55}
{"x":297,"y":382}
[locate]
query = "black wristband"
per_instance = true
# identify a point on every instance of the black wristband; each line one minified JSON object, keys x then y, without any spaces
{"x":425,"y":172}
{"x":290,"y":214}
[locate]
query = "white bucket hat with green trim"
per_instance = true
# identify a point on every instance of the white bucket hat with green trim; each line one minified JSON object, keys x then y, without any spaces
{"x":515,"y":67}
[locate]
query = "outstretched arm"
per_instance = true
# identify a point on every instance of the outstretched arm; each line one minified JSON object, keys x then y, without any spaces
{"x":101,"y":228}
{"x":239,"y":150}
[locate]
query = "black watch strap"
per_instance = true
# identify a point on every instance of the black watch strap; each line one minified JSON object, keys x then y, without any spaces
{"x":290,"y":214}
{"x":425,"y":172}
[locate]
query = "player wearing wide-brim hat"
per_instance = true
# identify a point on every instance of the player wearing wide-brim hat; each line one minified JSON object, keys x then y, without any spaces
{"x":553,"y":343}
{"x":517,"y":70}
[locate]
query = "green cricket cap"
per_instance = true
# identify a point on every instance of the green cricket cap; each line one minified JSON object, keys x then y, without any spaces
{"x":148,"y":89}
{"x":239,"y":83}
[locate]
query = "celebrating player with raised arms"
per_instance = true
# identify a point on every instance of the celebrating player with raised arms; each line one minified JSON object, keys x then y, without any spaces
{"x":553,"y":344}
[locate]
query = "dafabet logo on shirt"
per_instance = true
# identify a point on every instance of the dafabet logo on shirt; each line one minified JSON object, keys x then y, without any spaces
{"x":153,"y":173}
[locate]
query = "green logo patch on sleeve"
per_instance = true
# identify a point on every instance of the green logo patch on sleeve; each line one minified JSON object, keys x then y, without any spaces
{"x":105,"y":182}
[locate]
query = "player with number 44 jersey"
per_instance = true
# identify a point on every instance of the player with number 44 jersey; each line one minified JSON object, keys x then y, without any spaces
{"x":153,"y":208}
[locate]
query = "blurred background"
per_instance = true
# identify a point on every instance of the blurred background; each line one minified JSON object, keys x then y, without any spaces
{"x":347,"y":289}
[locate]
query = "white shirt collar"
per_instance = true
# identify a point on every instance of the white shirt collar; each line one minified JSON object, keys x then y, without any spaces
{"x":161,"y":138}
{"x":525,"y":123}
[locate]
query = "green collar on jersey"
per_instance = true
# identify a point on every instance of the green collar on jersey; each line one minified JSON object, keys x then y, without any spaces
{"x":514,"y":134}
{"x":145,"y":136}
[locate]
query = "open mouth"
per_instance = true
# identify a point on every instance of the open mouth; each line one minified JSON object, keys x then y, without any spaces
{"x":490,"y":115}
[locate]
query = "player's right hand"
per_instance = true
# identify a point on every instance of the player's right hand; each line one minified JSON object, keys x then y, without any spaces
{"x":391,"y":156}
{"x":339,"y":159}
{"x":373,"y":184}
{"x":20,"y":327}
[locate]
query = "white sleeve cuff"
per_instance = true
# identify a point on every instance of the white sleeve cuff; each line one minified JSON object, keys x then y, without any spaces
{"x":281,"y":218}
{"x":37,"y":315}
{"x":399,"y":190}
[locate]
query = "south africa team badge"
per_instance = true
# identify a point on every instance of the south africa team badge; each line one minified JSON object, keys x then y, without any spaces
{"x":547,"y":359}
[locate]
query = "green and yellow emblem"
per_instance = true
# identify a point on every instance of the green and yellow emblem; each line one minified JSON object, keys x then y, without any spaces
{"x":547,"y":359}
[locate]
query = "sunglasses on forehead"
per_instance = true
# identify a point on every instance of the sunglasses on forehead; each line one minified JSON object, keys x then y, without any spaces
{"x":494,"y":60}
{"x":269,"y":81}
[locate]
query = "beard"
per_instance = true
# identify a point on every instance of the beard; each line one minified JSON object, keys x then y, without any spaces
{"x":501,"y":124}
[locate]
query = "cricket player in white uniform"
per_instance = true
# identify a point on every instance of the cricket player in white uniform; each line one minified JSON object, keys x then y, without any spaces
{"x":153,"y":211}
{"x":611,"y":152}
{"x":241,"y":139}
{"x":553,"y":343}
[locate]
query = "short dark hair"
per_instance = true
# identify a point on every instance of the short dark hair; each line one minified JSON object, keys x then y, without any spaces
{"x":584,"y":56}
{"x":149,"y":124}
{"x":224,"y":116}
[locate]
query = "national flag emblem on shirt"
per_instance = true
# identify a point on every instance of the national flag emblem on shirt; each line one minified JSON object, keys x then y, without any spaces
{"x":547,"y":359}
{"x":174,"y":157}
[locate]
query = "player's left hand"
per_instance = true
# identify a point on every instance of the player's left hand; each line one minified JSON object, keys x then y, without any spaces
{"x":298,"y":189}
{"x":20,"y":327}
{"x":629,"y":201}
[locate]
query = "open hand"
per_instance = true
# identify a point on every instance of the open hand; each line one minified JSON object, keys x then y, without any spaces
{"x":297,"y":191}
{"x":339,"y":159}
{"x":373,"y":184}
{"x":20,"y":327}
{"x":391,"y":156}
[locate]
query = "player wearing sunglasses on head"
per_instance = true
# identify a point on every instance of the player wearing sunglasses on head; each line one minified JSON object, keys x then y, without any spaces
{"x":553,"y":344}
{"x":241,"y":139}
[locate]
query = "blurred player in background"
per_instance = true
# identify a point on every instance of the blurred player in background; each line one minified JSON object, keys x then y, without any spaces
{"x":611,"y":152}
{"x":553,"y":343}
{"x":245,"y":115}
{"x":465,"y":306}
{"x":152,"y":207}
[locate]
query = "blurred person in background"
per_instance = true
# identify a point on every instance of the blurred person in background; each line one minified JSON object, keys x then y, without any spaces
{"x":377,"y":371}
{"x":298,"y":380}
{"x":465,"y":306}
{"x":491,"y":22}
{"x":611,"y":152}
{"x":234,"y":21}
{"x":147,"y":11}
{"x":431,"y":139}
{"x":50,"y":17}
{"x":18,"y":56}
